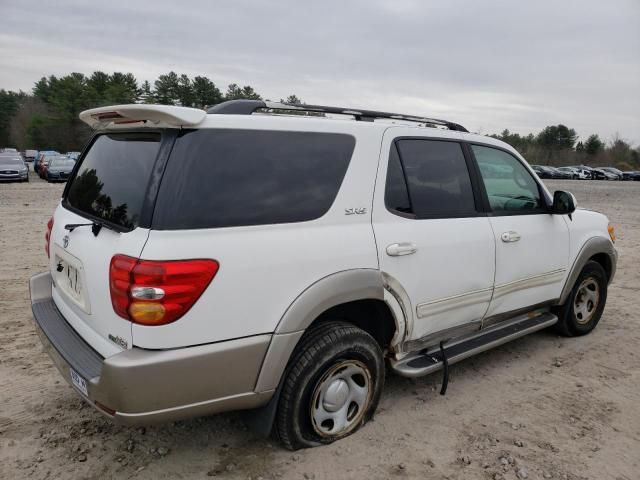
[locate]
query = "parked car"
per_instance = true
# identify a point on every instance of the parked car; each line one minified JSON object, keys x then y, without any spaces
{"x":631,"y":175}
{"x":59,"y":168}
{"x":9,"y":150}
{"x":30,"y":155}
{"x":73,"y":155}
{"x":44,"y":163}
{"x":257,"y":280}
{"x":13,"y":168}
{"x":614,"y":171}
{"x":602,"y":174}
{"x":542,"y":171}
{"x":560,"y":174}
{"x":576,"y":172}
{"x":40,"y":158}
{"x":583,"y":173}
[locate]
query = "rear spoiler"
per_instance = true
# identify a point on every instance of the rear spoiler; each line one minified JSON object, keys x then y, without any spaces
{"x":156,"y":115}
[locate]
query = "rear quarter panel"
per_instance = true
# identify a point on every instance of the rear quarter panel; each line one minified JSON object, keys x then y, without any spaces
{"x":264,"y":268}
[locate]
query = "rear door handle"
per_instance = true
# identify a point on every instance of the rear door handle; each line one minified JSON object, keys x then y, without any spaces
{"x":510,"y":236}
{"x":399,"y":249}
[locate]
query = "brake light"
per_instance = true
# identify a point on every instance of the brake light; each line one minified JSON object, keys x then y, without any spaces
{"x":47,"y":236}
{"x":151,"y":292}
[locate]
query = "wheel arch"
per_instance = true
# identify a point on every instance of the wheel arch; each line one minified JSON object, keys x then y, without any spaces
{"x":598,"y":249}
{"x":355,"y":296}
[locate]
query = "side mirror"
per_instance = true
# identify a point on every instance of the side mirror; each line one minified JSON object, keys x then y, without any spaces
{"x":564,"y":203}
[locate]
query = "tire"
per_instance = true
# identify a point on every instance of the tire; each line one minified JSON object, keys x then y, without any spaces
{"x":582,"y":311}
{"x":335,"y":364}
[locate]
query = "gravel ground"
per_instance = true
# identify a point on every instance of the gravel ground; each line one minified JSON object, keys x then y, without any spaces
{"x":540,"y":407}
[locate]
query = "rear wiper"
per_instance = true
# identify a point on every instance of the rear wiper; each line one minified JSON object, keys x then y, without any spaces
{"x":95,"y":227}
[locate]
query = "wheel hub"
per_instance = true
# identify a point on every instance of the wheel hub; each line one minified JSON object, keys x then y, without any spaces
{"x":336,"y":395}
{"x":586,"y":300}
{"x":341,"y":398}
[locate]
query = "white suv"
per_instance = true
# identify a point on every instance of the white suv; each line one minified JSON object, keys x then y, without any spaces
{"x":274,"y":256}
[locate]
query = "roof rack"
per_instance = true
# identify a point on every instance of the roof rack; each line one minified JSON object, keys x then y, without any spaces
{"x":248,"y":107}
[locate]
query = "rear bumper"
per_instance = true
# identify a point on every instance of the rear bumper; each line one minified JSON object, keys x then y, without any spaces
{"x":141,"y":386}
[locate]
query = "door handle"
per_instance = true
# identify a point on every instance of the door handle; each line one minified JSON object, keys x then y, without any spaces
{"x":510,"y":236}
{"x":399,"y":249}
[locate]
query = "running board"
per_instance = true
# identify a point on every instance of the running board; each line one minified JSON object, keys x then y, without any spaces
{"x":425,"y":362}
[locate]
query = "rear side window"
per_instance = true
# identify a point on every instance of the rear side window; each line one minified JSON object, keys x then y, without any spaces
{"x":112,"y":179}
{"x":396,"y":195}
{"x":227,"y":178}
{"x":437,"y":178}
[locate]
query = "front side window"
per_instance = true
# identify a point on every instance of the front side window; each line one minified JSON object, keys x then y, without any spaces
{"x":510,"y":187}
{"x":436,"y":176}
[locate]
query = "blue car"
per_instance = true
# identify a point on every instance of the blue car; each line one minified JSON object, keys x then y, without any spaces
{"x":59,"y":169}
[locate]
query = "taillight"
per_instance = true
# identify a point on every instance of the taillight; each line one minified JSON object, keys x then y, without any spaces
{"x":151,"y":292}
{"x":47,"y":236}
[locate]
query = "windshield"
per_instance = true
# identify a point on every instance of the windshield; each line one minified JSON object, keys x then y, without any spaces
{"x":11,"y":161}
{"x":62,"y":162}
{"x":112,"y":179}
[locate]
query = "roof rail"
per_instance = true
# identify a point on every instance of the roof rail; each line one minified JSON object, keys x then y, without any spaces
{"x":247,"y":107}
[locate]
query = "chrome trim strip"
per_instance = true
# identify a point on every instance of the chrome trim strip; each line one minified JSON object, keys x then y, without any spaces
{"x":461,"y":300}
{"x":529,"y":282}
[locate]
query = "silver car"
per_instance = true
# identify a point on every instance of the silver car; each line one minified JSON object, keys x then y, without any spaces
{"x":13,"y":168}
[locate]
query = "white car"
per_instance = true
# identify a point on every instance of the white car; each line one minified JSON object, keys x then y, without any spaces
{"x":243,"y":258}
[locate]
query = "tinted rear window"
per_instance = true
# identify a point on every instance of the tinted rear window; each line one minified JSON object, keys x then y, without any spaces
{"x":226,"y":178}
{"x":112,"y":179}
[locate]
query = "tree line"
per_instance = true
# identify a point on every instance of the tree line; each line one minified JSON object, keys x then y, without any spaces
{"x":558,"y":145}
{"x":47,"y":117}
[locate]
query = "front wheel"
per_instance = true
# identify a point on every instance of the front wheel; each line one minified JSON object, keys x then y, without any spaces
{"x":332,"y":386}
{"x":582,"y":310}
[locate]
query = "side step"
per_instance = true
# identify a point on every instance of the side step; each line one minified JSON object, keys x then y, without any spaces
{"x":425,"y":362}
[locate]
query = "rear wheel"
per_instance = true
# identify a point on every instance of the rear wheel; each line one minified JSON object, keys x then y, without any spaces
{"x":332,"y":386}
{"x":582,"y":311}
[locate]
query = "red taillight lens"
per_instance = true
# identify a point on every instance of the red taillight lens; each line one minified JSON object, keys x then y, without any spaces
{"x":47,"y":236}
{"x":151,"y":292}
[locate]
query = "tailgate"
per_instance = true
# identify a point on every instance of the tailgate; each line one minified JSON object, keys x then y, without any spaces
{"x":80,"y":272}
{"x":108,"y":190}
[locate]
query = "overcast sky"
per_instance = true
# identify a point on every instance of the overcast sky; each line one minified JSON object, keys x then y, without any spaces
{"x":489,"y":64}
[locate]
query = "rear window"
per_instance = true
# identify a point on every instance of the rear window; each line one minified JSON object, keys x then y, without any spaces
{"x":62,"y":162}
{"x":111,"y":181}
{"x":227,"y":178}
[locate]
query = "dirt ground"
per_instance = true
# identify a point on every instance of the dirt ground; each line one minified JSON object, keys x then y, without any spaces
{"x":540,"y":407}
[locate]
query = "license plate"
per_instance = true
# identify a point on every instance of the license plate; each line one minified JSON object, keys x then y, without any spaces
{"x":73,"y":280}
{"x":79,"y":382}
